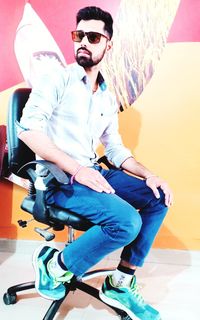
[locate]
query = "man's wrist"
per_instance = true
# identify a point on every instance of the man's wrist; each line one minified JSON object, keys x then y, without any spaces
{"x":75,"y":173}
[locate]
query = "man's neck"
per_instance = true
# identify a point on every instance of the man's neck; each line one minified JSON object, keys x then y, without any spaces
{"x":92,"y":74}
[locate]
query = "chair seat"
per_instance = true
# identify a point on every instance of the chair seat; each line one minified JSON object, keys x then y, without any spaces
{"x":59,"y":215}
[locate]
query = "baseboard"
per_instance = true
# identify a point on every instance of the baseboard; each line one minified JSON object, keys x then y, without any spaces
{"x":18,"y":246}
{"x":159,"y":256}
{"x":25,"y":246}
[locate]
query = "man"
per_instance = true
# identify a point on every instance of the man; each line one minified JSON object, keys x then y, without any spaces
{"x":68,"y":112}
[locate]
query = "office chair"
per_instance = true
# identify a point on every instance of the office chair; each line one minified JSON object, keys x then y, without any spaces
{"x":21,"y":161}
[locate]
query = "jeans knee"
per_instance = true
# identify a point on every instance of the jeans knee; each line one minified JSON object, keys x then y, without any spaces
{"x":130,"y":227}
{"x":160,"y":203}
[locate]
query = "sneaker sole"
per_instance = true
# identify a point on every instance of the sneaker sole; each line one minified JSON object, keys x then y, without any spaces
{"x":37,"y":274}
{"x":116,"y":304}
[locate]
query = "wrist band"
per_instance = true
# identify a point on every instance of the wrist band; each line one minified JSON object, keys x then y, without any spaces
{"x":73,"y":176}
{"x":151,"y":176}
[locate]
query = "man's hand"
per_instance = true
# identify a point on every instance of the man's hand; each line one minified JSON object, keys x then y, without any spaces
{"x":154,"y":183}
{"x":93,"y":179}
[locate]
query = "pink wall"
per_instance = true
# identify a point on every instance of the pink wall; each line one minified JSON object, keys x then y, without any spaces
{"x":186,"y":26}
{"x":10,"y":15}
{"x":58,"y":16}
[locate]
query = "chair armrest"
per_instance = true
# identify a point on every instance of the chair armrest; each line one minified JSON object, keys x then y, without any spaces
{"x":40,"y":209}
{"x":54,"y":172}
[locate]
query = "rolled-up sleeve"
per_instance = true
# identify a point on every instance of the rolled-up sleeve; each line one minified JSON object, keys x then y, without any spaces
{"x":40,"y":105}
{"x":115,"y":151}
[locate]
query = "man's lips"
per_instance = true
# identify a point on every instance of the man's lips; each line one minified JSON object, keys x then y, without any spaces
{"x":83,"y":52}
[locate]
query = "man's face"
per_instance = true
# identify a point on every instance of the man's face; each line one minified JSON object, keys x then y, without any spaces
{"x":88,"y":54}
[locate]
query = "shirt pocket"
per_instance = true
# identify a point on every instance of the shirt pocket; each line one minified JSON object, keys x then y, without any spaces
{"x":102,"y":122}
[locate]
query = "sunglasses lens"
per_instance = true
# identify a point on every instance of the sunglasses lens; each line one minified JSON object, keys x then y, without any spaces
{"x":77,"y":36}
{"x":93,"y":37}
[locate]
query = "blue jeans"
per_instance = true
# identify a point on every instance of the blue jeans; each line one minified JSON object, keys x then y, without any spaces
{"x":130,"y":218}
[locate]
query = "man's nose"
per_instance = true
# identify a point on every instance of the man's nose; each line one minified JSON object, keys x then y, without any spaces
{"x":84,"y":41}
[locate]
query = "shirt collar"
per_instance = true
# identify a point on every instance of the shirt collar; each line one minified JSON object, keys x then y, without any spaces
{"x":101,"y":81}
{"x":83,"y":76}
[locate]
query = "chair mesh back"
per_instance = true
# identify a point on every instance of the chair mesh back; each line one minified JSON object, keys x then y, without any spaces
{"x":18,"y":152}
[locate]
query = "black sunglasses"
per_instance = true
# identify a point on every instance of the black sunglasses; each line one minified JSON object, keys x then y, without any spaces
{"x":93,"y":37}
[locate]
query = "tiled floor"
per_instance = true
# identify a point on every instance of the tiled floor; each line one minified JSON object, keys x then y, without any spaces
{"x":170,"y":281}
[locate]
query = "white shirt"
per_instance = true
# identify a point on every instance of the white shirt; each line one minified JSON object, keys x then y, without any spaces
{"x":63,"y":105}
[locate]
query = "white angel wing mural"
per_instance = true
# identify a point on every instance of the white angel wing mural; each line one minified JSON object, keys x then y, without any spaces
{"x":35,"y":47}
{"x":140,"y":34}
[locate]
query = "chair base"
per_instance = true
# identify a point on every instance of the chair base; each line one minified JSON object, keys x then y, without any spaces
{"x":10,"y":297}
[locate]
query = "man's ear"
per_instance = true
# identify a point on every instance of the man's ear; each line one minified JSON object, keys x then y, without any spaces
{"x":109,"y":45}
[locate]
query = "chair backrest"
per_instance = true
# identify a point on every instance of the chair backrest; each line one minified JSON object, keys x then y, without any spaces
{"x":18,"y":153}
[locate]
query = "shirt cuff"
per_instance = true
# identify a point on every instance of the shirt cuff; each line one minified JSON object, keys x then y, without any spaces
{"x":20,"y":128}
{"x":121,"y":157}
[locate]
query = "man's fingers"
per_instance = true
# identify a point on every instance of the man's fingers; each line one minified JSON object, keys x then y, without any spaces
{"x":94,"y":180}
{"x":100,"y":184}
{"x":105,"y":186}
{"x":99,"y":187}
{"x":156,"y":192}
{"x":157,"y":182}
{"x":168,"y":198}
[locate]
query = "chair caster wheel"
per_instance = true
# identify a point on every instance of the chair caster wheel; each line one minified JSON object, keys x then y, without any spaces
{"x":10,"y":298}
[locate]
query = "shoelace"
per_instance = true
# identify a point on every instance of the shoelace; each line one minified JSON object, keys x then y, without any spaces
{"x":136,"y":292}
{"x":66,"y":277}
{"x":56,"y":283}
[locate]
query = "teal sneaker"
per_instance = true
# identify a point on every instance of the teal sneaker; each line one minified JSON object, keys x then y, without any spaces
{"x":46,"y":284}
{"x":128,"y":299}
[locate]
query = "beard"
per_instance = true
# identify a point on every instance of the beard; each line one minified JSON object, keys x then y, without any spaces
{"x":87,"y":61}
{"x":84,"y":62}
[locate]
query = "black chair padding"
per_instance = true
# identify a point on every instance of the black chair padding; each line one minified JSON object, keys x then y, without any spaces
{"x":59,"y":215}
{"x":69,"y":218}
{"x":18,"y":153}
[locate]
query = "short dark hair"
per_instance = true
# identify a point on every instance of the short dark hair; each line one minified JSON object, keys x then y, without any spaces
{"x":95,"y":13}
